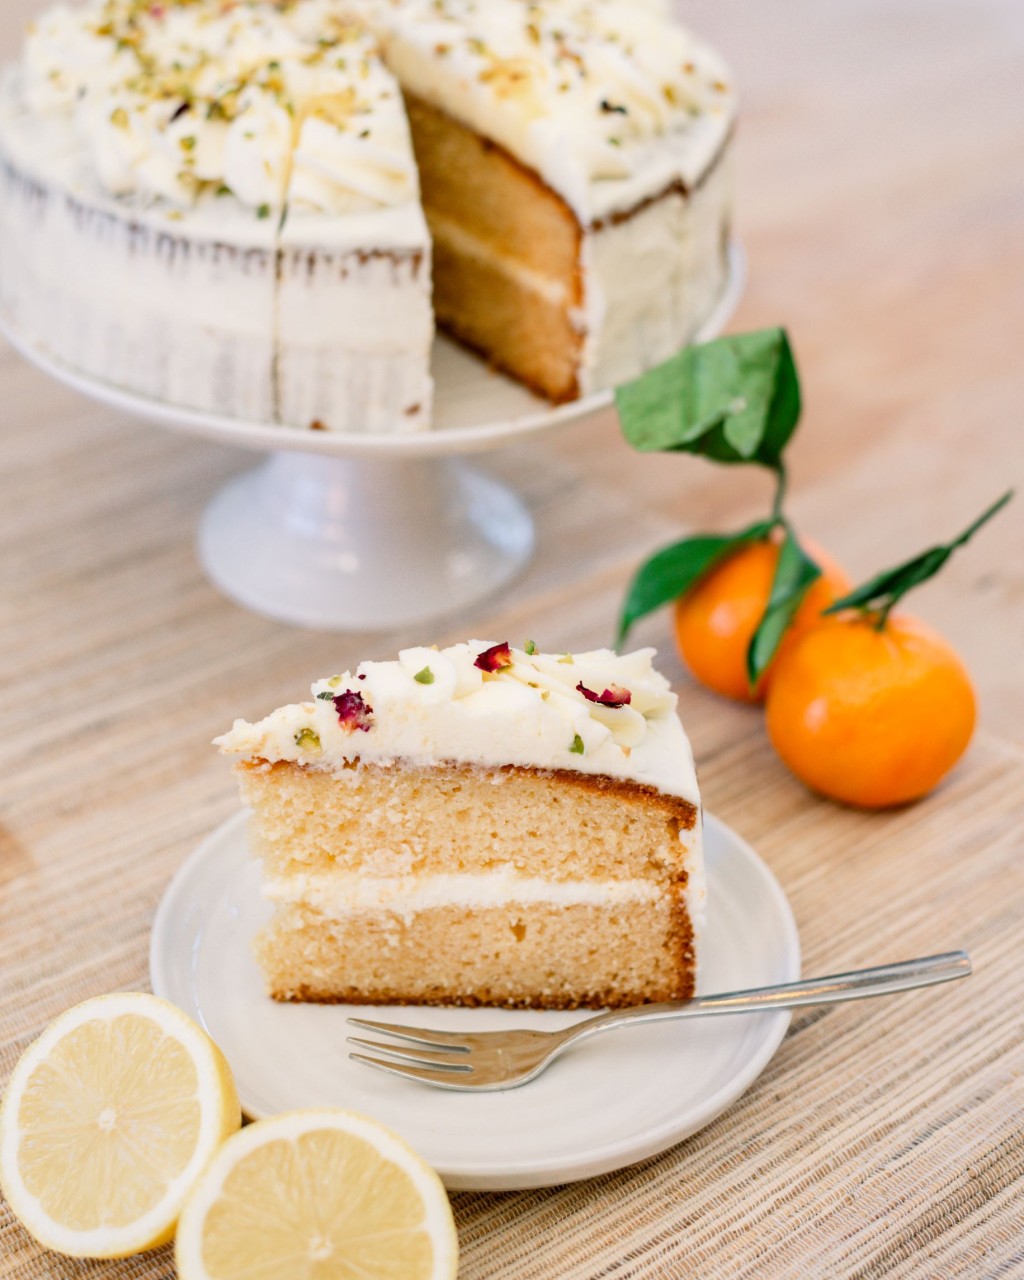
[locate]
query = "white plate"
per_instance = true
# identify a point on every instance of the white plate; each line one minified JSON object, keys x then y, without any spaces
{"x":606,"y":1104}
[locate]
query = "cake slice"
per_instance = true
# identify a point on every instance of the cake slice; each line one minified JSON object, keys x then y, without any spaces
{"x":354,"y":322}
{"x":478,"y":825}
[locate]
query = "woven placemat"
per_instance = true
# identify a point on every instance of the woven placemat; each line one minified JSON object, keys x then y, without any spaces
{"x":884,"y":1139}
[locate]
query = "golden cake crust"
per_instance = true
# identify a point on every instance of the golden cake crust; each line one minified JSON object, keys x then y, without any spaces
{"x":682,"y":810}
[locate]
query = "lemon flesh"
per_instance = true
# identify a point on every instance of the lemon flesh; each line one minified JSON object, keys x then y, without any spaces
{"x":317,"y":1195}
{"x":107,"y":1122}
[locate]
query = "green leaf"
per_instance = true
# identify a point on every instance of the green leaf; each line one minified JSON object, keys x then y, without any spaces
{"x":674,"y":569}
{"x":881,"y":592}
{"x":794,"y":574}
{"x":736,"y":399}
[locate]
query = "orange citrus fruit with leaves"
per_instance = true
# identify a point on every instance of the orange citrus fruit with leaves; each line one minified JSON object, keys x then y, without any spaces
{"x":867,"y":714}
{"x":717,"y":617}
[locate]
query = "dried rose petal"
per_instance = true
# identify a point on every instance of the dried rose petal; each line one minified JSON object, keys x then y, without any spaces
{"x":353,"y":711}
{"x":613,"y":696}
{"x":496,"y":658}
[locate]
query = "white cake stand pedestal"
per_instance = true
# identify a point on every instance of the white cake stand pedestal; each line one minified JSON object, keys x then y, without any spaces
{"x":362,"y":544}
{"x":367,"y":532}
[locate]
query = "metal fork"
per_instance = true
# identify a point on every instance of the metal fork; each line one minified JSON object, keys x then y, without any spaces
{"x":481,"y":1060}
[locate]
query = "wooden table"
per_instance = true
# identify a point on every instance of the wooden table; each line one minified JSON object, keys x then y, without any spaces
{"x":882,"y":207}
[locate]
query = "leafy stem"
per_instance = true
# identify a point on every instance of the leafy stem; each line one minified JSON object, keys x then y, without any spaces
{"x":880,"y":594}
{"x":795,"y":574}
{"x":782,"y":479}
{"x":733,"y":401}
{"x":674,"y":569}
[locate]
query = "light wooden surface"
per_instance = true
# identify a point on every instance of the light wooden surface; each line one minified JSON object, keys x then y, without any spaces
{"x":882,"y":208}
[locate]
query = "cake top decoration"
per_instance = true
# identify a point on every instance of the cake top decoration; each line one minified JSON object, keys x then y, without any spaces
{"x":287,"y":103}
{"x":595,"y":712}
{"x":269,"y":102}
{"x":583,"y":91}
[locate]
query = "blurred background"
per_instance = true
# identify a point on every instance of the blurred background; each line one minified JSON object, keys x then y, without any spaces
{"x":881,"y":205}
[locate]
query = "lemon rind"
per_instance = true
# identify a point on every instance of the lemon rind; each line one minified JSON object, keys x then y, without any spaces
{"x":157,"y":1226}
{"x":291,"y":1125}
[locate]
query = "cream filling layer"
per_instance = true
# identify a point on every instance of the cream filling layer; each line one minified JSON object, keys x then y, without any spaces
{"x":461,"y":241}
{"x":340,"y":894}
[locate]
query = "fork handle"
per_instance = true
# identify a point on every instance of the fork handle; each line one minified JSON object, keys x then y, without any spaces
{"x":880,"y":981}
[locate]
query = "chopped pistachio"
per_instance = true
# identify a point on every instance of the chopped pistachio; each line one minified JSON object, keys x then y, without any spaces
{"x":567,"y":659}
{"x":334,"y":681}
{"x":577,"y":745}
{"x":326,"y":695}
{"x":530,"y":648}
{"x":263,"y":211}
{"x":426,"y":676}
{"x":307,"y":739}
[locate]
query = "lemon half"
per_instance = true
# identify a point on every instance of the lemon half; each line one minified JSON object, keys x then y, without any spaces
{"x":317,"y":1195}
{"x":108,"y":1120}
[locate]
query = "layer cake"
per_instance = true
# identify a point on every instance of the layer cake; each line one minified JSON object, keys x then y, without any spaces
{"x":224,"y":204}
{"x":478,"y":825}
{"x":217,"y":206}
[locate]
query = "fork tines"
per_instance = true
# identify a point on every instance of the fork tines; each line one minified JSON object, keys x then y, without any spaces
{"x":435,"y":1059}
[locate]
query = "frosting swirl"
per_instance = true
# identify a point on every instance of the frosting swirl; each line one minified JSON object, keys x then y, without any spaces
{"x":277,"y":103}
{"x":585,"y":91}
{"x":596,"y":712}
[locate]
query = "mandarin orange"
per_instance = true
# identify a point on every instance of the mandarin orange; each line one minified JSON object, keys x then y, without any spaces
{"x":716,"y":619}
{"x":872,"y":717}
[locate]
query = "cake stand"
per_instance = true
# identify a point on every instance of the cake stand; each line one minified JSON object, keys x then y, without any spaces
{"x":367,"y":532}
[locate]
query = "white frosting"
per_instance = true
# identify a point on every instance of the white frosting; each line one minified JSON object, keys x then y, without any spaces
{"x":531,"y":714}
{"x":448,"y":232}
{"x":299,"y":324}
{"x":339,"y":894}
{"x":651,"y":281}
{"x":287,"y":103}
{"x":283,"y":104}
{"x":610,"y":101}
